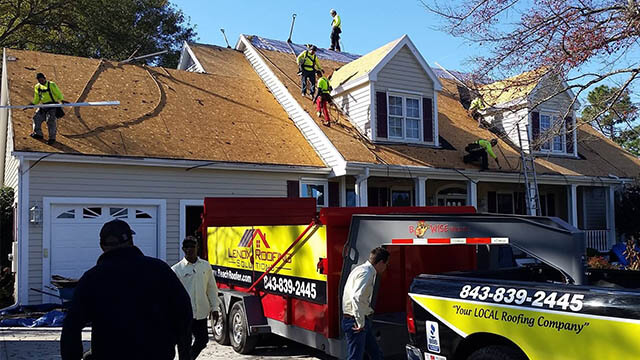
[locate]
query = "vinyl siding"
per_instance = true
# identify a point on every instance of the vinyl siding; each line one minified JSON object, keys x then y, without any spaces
{"x":11,"y":163}
{"x":404,"y":72}
{"x":510,"y":122}
{"x":50,"y":179}
{"x":356,"y":105}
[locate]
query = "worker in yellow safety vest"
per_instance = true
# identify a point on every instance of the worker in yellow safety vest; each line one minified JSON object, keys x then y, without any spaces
{"x":479,"y":150}
{"x":46,"y":92}
{"x":322,"y":99}
{"x":475,"y":107}
{"x":308,"y":65}
{"x":336,"y":29}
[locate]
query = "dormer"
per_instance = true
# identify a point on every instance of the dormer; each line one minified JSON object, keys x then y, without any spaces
{"x":535,"y":102}
{"x":390,"y":94}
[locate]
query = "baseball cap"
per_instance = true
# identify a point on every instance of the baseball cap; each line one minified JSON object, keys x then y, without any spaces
{"x":40,"y":76}
{"x":118,"y":229}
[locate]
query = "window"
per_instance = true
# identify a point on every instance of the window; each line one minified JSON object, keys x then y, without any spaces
{"x":69,"y":214}
{"x":140,"y":214}
{"x":405,"y":117}
{"x":401,"y":198}
{"x":315,"y":188}
{"x":550,"y":124}
{"x":505,"y":203}
{"x":91,"y":212}
{"x":119,"y":213}
{"x":451,"y":196}
{"x":351,"y":197}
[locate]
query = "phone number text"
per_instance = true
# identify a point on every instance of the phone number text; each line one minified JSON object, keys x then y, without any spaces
{"x":541,"y":299}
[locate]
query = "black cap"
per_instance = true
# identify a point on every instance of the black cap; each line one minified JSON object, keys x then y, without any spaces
{"x":40,"y":76}
{"x":314,"y":48}
{"x":118,"y":229}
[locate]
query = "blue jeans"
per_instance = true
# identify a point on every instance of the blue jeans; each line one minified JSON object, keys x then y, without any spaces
{"x":308,"y":76}
{"x":361,"y":342}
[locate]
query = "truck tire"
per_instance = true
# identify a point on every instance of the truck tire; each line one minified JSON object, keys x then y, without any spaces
{"x":220,"y":328}
{"x":240,"y":340}
{"x":496,"y":352}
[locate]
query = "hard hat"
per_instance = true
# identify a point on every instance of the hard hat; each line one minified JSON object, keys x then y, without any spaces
{"x":332,"y":11}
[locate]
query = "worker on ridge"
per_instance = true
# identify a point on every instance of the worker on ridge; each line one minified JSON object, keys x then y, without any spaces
{"x":480,"y":149}
{"x":322,"y":98}
{"x":475,"y":107}
{"x":336,"y":29}
{"x":308,"y":65}
{"x":46,"y":92}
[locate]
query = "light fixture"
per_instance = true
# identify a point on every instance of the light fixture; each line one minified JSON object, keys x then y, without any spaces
{"x":35,"y":214}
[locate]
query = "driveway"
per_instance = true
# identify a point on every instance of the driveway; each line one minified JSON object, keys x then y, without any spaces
{"x":43,"y":344}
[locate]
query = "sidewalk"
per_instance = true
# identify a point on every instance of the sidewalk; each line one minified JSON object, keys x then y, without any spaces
{"x":43,"y":344}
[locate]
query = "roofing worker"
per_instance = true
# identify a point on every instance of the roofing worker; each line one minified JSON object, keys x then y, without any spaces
{"x":46,"y":92}
{"x":480,"y":149}
{"x":197,"y":277}
{"x":475,"y":107}
{"x":356,"y":306}
{"x":308,"y":65}
{"x":137,"y":307}
{"x":322,"y":98}
{"x":336,"y":29}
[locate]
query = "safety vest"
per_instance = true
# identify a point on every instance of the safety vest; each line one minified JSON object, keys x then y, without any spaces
{"x":43,"y":93}
{"x":336,"y":22}
{"x":323,"y":86}
{"x":309,"y":61}
{"x":487,"y":146}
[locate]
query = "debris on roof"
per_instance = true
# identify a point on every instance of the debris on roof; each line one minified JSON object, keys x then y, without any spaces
{"x":283,"y":46}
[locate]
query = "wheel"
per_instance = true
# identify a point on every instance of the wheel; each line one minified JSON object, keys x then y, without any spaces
{"x":240,"y":340}
{"x":497,"y":352}
{"x":220,"y":328}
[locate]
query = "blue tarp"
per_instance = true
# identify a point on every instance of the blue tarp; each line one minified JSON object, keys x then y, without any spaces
{"x":53,"y":318}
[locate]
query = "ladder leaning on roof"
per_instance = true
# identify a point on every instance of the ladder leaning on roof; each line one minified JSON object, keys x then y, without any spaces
{"x":532,"y":196}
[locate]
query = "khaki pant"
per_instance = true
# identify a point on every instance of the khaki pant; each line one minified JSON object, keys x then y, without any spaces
{"x":48,"y":115}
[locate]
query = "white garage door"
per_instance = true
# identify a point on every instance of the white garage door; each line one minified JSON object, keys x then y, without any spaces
{"x":75,"y":233}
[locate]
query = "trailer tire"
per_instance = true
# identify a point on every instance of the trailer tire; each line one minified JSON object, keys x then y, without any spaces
{"x":239,"y":332}
{"x":496,"y":352}
{"x":220,"y":328}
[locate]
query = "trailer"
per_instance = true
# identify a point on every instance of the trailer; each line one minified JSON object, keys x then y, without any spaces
{"x":281,"y":265}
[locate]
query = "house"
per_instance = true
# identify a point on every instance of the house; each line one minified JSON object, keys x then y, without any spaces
{"x":232,"y":122}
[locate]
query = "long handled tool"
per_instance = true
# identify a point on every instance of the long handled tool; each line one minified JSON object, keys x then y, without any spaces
{"x":225,"y":39}
{"x":80,"y":104}
{"x":293,"y":21}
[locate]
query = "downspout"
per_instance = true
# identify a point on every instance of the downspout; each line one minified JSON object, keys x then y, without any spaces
{"x":4,"y":114}
{"x":361,"y":197}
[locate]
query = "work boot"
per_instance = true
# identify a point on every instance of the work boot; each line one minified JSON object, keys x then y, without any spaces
{"x":36,"y":136}
{"x":319,"y":114}
{"x":51,"y":141}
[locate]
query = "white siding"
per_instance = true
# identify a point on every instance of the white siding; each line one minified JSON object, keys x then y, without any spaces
{"x":404,"y":72}
{"x":51,"y":179}
{"x":11,"y":163}
{"x":356,"y":105}
{"x":508,"y":122}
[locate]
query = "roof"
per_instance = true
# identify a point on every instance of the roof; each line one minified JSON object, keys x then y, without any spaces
{"x":362,"y":65}
{"x":227,"y":115}
{"x":456,"y":128}
{"x":511,"y":89}
{"x":285,"y":47}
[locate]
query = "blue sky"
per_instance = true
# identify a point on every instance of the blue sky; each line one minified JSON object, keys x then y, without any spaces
{"x":367,"y":25}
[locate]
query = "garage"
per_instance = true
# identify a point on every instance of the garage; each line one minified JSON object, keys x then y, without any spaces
{"x":74,"y":234}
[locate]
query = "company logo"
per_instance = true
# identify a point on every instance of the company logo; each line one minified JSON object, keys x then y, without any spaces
{"x":423,"y":227}
{"x":248,"y":237}
{"x":433,"y":337}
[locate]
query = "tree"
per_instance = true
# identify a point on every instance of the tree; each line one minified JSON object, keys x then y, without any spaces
{"x":612,"y":119}
{"x":111,"y":29}
{"x":557,"y":36}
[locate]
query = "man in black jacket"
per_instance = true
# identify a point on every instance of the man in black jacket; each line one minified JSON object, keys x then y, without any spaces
{"x":135,"y":304}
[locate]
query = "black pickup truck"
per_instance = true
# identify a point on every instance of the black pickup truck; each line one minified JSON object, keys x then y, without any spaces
{"x":533,"y":298}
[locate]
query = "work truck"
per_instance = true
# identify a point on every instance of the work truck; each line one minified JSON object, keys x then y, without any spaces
{"x":281,"y":266}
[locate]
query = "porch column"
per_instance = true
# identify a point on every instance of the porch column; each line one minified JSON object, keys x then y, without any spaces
{"x":472,"y":193}
{"x":421,"y":191}
{"x":362,"y":199}
{"x":572,"y":204}
{"x":611,"y":217}
{"x":343,"y":191}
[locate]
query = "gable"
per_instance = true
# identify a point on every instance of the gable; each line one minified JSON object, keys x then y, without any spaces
{"x":546,"y":87}
{"x":403,"y":71}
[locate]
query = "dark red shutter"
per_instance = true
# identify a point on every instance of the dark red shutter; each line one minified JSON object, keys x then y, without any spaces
{"x":427,"y":115}
{"x":334,"y":194}
{"x":568,"y":125}
{"x":381,"y":114}
{"x":492,"y":206}
{"x":293,"y":189}
{"x":535,"y":127}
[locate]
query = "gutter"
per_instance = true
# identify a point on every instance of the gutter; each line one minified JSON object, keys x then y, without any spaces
{"x":173,"y":163}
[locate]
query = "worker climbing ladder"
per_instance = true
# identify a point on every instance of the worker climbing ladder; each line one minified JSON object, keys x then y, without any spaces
{"x":532,"y":196}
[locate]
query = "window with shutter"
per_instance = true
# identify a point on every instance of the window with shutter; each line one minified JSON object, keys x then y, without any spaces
{"x":535,"y":128}
{"x":381,"y":114}
{"x":427,"y":115}
{"x":569,"y":130}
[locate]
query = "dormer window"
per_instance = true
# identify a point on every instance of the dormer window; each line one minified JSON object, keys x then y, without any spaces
{"x":405,"y":119}
{"x":551,"y":122}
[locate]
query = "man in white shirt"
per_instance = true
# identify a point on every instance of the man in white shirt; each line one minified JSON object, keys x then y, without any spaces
{"x":197,"y":277}
{"x":356,"y":306}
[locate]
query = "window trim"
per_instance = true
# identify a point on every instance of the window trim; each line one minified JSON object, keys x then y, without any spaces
{"x":316,"y":181}
{"x":404,"y":96}
{"x":563,"y":136}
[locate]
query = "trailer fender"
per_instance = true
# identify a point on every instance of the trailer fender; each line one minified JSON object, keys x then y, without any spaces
{"x":256,"y":321}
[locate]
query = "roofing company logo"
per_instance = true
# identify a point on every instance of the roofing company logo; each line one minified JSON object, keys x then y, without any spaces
{"x":421,"y":229}
{"x":248,"y":237}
